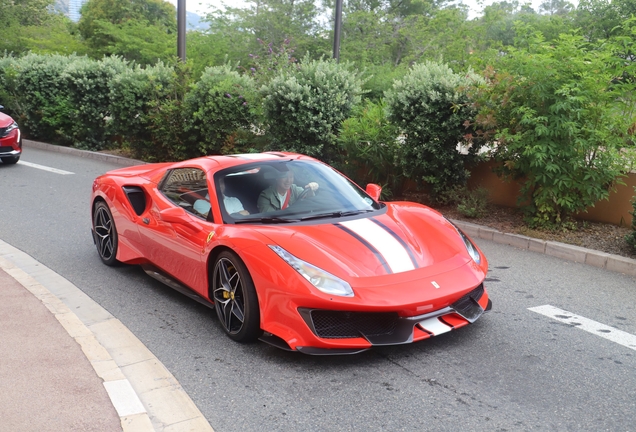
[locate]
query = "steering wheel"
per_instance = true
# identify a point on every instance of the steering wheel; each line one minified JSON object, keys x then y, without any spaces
{"x":303,"y":194}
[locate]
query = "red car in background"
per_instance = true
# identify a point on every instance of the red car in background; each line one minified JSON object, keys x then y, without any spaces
{"x":10,"y":139}
{"x":289,"y":251}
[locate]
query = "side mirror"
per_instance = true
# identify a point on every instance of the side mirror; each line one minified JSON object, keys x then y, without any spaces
{"x":374,"y":191}
{"x":179,"y":216}
{"x":1,"y":107}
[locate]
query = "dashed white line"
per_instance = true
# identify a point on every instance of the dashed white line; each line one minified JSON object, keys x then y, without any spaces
{"x":610,"y":333}
{"x":45,"y":168}
{"x":124,"y":398}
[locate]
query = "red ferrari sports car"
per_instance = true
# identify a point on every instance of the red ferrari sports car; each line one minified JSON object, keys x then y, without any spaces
{"x":289,"y":251}
{"x":10,"y":140}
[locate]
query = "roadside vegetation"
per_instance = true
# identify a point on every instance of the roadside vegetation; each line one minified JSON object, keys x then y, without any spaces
{"x":421,"y":93}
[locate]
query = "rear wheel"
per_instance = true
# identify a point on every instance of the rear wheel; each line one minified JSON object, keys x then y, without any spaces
{"x":10,"y":160}
{"x":105,"y":234}
{"x":235,"y":298}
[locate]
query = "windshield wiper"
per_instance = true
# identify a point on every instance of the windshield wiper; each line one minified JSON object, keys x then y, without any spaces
{"x":270,"y":219}
{"x":335,"y":214}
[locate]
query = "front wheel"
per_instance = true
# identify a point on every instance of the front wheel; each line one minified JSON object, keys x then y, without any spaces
{"x":105,"y":234}
{"x":235,"y":298}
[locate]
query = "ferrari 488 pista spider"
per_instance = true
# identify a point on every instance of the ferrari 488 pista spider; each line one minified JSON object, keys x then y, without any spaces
{"x":289,"y":251}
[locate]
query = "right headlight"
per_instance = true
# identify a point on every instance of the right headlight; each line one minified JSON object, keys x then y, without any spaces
{"x":470,"y":247}
{"x":324,"y":281}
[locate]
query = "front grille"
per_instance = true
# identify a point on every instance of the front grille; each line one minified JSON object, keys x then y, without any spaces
{"x":339,"y":324}
{"x":5,"y":149}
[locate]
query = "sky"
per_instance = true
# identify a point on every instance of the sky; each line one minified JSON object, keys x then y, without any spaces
{"x":201,"y":7}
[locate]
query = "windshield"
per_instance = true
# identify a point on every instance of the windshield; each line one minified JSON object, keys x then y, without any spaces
{"x":288,"y":191}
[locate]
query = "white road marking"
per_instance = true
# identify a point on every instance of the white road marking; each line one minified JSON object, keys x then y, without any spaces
{"x":610,"y":333}
{"x":124,"y":398}
{"x":45,"y":168}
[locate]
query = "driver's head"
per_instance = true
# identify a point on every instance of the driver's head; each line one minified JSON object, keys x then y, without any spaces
{"x":284,"y":181}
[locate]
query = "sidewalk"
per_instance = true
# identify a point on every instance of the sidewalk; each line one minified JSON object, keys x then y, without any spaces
{"x":67,"y":364}
{"x":47,"y":382}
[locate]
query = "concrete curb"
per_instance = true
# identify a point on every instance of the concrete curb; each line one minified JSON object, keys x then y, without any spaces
{"x":146,"y":396}
{"x":104,"y":157}
{"x":564,"y":251}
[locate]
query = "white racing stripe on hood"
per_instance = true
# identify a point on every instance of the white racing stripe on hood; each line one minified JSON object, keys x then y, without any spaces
{"x":396,"y":256}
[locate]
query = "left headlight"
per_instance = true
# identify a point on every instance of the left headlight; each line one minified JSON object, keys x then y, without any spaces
{"x":8,"y":129}
{"x":324,"y":281}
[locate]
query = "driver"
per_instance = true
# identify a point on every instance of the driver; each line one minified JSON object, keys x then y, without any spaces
{"x":283,"y":193}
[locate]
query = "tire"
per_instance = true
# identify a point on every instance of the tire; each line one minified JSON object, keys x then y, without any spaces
{"x":235,"y":298}
{"x":10,"y":160}
{"x":105,"y":234}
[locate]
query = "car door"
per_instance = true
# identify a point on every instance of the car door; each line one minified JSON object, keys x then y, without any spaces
{"x":175,"y":230}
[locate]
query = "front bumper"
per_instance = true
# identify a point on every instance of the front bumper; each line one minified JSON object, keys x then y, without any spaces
{"x":11,"y":145}
{"x":387,"y":328}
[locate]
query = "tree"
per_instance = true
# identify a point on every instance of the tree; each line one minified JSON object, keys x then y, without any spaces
{"x":272,"y":22}
{"x":121,"y":26}
{"x":557,"y":125}
{"x":430,"y":105}
{"x":556,"y":7}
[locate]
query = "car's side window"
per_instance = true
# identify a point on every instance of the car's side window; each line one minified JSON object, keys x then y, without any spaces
{"x":188,"y":188}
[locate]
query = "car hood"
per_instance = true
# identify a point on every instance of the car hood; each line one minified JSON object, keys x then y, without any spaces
{"x":406,"y":238}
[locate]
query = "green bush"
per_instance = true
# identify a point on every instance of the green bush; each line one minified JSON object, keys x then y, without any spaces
{"x":40,"y":96}
{"x":7,"y":76}
{"x":431,"y":107}
{"x":471,"y":203}
{"x":134,"y":94}
{"x":304,"y":107}
{"x":221,"y":103}
{"x":558,"y":124}
{"x":86,"y":83}
{"x":370,"y":147}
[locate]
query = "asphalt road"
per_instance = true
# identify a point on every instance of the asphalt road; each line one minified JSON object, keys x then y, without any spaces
{"x":514,"y":369}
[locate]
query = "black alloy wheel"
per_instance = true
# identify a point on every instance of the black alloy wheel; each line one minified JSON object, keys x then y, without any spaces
{"x":235,"y":298}
{"x":105,"y":234}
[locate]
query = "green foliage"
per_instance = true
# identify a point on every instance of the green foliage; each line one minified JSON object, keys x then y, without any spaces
{"x":169,"y":120}
{"x":150,"y":115}
{"x":58,"y":35}
{"x":242,"y":29}
{"x":222,"y":102}
{"x":87,"y":90}
{"x":39,"y":96}
{"x":431,"y":107}
{"x":631,"y":237}
{"x":140,"y":30}
{"x":558,"y":131}
{"x":471,"y":203}
{"x":270,"y":61}
{"x":204,"y":50}
{"x":137,"y":41}
{"x":370,"y":146}
{"x":380,"y":79}
{"x":304,"y":107}
{"x":134,"y":94}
